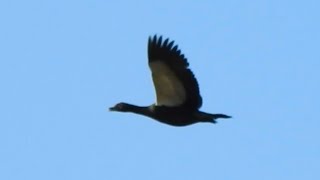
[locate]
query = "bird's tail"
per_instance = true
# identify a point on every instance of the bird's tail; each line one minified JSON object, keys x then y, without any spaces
{"x":216,"y":116}
{"x":207,"y":117}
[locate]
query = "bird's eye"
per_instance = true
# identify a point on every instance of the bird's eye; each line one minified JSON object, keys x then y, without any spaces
{"x":120,"y":106}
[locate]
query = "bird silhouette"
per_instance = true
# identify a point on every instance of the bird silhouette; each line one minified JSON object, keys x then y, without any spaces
{"x":178,"y":97}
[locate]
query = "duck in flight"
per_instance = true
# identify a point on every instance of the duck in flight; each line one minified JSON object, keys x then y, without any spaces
{"x":177,"y":92}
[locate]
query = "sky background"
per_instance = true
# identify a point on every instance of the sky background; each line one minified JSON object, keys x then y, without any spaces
{"x":64,"y":63}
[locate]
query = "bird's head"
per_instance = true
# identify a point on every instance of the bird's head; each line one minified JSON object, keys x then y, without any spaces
{"x":121,"y":107}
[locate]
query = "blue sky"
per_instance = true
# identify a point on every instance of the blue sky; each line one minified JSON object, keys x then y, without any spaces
{"x":63,"y":63}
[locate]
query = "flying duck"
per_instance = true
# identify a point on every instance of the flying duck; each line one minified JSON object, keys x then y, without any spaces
{"x":177,"y":92}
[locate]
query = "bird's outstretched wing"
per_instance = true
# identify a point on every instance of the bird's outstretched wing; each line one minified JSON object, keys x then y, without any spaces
{"x":174,"y":82}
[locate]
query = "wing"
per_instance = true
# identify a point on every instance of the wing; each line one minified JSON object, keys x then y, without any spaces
{"x":174,"y":82}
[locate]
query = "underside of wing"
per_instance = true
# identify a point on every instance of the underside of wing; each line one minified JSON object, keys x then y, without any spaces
{"x":174,"y":82}
{"x":169,"y":89}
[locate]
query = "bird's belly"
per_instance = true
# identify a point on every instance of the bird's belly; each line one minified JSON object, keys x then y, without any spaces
{"x":176,"y":121}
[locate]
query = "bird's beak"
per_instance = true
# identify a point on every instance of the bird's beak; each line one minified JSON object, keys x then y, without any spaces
{"x":112,"y":109}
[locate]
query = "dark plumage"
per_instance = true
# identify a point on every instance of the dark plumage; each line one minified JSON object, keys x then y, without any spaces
{"x":177,"y":90}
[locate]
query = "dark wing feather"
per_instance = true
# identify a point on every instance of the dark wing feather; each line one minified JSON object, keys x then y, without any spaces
{"x":166,"y":52}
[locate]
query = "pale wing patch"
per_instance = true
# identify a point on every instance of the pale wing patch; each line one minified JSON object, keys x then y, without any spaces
{"x":170,"y":91}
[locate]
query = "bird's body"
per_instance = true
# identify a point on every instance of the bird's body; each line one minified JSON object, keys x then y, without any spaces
{"x":178,"y":97}
{"x":175,"y":116}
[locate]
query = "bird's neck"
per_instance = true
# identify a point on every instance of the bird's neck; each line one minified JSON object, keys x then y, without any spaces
{"x":143,"y":110}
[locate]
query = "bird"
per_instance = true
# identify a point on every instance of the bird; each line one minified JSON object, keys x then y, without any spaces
{"x":178,"y":98}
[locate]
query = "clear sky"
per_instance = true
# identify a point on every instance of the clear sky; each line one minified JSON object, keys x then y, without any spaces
{"x":63,"y":63}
